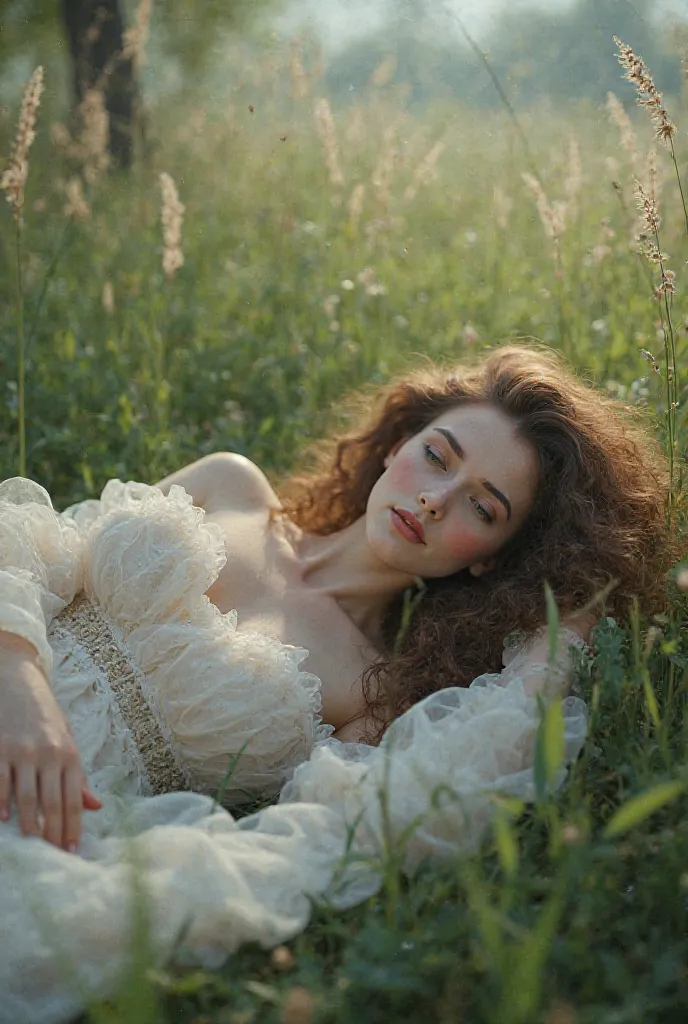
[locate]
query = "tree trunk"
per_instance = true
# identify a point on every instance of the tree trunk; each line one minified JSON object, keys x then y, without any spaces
{"x":95,"y":30}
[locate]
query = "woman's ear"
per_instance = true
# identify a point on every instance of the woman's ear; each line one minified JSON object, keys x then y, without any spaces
{"x":480,"y":568}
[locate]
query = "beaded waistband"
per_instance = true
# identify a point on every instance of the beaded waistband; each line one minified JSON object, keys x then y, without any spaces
{"x":89,"y":626}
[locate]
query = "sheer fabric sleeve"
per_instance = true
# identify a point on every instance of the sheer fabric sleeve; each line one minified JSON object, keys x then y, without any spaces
{"x":429,"y":785}
{"x":40,"y":563}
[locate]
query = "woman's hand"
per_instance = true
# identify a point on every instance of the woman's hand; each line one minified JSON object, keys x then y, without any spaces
{"x":39,"y":762}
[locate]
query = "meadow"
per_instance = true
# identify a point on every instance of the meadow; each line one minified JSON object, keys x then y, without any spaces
{"x":324,"y":247}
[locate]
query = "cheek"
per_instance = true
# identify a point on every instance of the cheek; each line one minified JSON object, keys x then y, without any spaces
{"x":403,"y":474}
{"x":463,"y":542}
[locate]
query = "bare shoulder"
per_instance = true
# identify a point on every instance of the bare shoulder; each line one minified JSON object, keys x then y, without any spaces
{"x":222,"y":478}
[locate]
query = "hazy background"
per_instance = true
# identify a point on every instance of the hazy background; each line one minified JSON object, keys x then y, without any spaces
{"x":355,"y":192}
{"x":561,"y":48}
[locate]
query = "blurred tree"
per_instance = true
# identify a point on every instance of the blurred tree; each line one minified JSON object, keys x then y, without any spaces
{"x":186,"y":30}
{"x":95,"y":30}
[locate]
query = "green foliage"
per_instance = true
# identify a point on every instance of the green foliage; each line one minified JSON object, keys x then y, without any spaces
{"x":576,"y":907}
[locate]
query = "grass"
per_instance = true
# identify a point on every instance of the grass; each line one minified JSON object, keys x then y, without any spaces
{"x":568,"y":914}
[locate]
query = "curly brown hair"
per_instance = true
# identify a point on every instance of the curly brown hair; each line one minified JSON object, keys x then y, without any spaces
{"x":599,"y":514}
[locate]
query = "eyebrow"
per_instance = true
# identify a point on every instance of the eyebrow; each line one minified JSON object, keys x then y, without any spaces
{"x":456,"y":447}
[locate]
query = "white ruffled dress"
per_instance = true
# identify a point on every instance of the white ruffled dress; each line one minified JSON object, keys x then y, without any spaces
{"x":169,"y":703}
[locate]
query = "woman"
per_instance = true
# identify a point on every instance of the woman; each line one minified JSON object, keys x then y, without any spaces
{"x":478,"y":483}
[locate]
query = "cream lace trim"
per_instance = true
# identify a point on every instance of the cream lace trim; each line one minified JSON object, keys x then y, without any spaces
{"x":90,"y":628}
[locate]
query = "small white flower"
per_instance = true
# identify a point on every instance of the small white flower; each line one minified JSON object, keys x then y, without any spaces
{"x":471,"y":237}
{"x":599,"y":326}
{"x":400,"y":321}
{"x":376,"y":289}
{"x":469,"y":334}
{"x":347,"y":285}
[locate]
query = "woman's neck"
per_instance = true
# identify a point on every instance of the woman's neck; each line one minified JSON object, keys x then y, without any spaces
{"x":343,"y":567}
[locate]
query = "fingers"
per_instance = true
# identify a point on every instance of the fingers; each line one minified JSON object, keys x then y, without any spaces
{"x":50,"y":799}
{"x":89,"y":799}
{"x":26,"y":795}
{"x":72,"y":801}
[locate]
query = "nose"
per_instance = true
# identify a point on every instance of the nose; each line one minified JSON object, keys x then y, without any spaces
{"x":433,"y":504}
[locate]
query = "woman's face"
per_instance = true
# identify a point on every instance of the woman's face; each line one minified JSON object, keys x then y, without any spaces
{"x":469,"y":481}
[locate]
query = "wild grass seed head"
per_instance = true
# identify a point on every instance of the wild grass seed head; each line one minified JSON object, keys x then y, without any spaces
{"x":76,"y":206}
{"x":573,"y":185}
{"x":136,"y":37}
{"x":299,"y":78}
{"x":172,"y":216}
{"x":95,"y":135}
{"x":648,"y":95}
{"x":325,"y":125}
{"x":622,"y":121}
{"x":14,"y":178}
{"x":426,"y":171}
{"x":355,"y":204}
{"x":552,"y":215}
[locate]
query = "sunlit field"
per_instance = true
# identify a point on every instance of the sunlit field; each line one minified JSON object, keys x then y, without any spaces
{"x":320,"y":248}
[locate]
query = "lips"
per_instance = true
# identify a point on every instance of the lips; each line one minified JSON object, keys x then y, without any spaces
{"x":412,"y":521}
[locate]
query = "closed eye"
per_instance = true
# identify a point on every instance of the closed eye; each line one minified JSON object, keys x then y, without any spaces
{"x":433,"y":457}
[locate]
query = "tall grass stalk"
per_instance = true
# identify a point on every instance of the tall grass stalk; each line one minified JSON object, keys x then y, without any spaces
{"x":13,"y":183}
{"x":21,"y":373}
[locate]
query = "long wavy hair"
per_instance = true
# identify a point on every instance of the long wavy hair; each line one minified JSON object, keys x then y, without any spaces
{"x":599,"y":514}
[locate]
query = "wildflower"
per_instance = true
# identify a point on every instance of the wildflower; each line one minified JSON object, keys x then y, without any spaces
{"x":571,"y":834}
{"x":366,"y":276}
{"x":376,"y":288}
{"x":335,"y":326}
{"x":469,"y":334}
{"x":282,"y":958}
{"x":172,"y":215}
{"x":14,"y":178}
{"x":471,"y":237}
{"x":347,"y":285}
{"x":325,"y":125}
{"x":599,"y":326}
{"x":647,"y":95}
{"x":400,"y":321}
